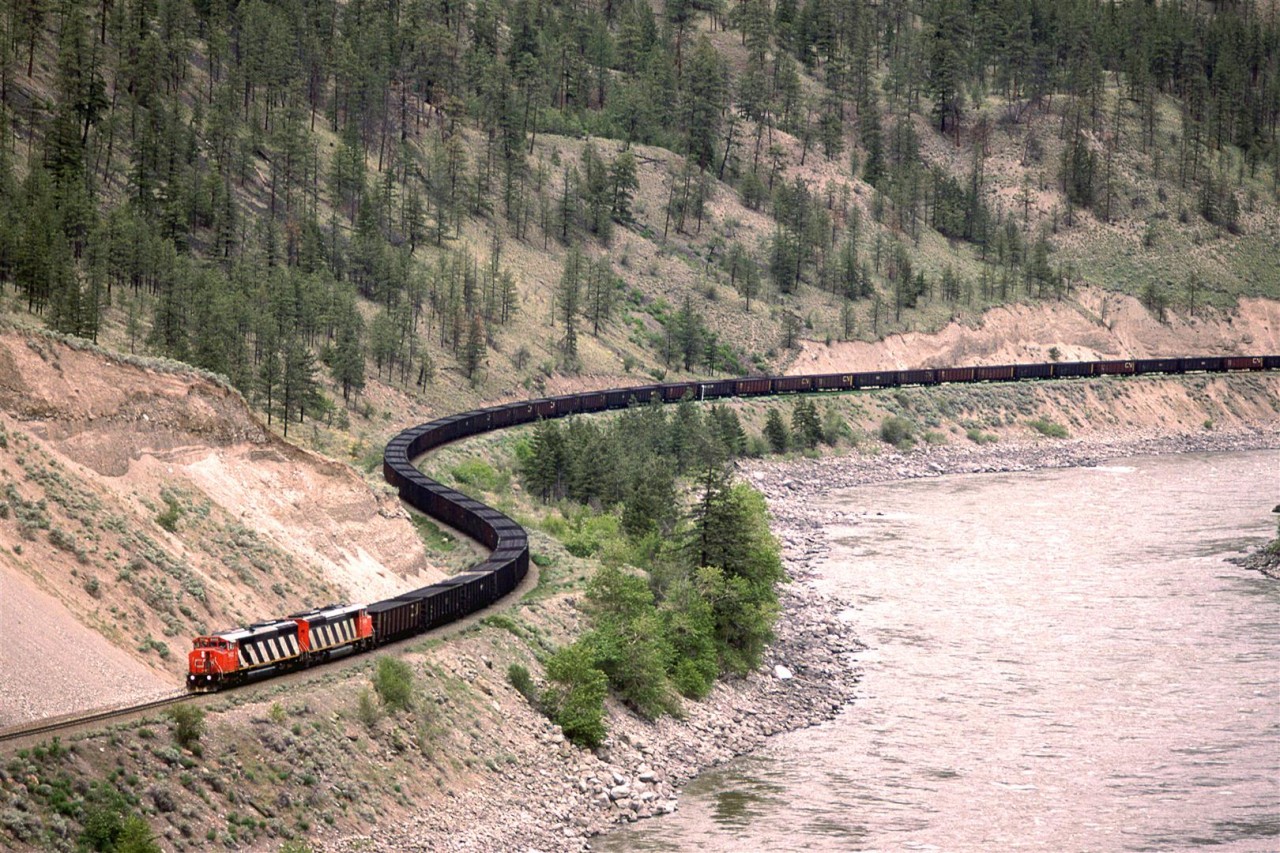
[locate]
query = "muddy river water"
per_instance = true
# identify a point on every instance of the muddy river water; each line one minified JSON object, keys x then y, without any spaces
{"x":1058,"y":660}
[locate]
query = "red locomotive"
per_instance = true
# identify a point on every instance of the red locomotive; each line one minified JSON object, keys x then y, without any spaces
{"x":229,"y":657}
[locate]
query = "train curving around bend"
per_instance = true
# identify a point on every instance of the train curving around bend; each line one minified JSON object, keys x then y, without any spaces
{"x":231,"y":657}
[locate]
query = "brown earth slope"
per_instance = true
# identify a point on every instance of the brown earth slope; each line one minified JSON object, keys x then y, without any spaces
{"x":150,"y":505}
{"x":1094,"y":325}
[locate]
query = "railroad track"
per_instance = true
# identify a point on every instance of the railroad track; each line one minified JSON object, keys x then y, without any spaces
{"x":54,"y":725}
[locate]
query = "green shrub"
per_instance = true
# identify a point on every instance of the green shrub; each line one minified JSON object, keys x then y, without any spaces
{"x":897,"y":431}
{"x":1048,"y":428}
{"x":977,"y":436}
{"x":478,"y":473}
{"x":522,"y":681}
{"x":188,"y":725}
{"x":627,"y":642}
{"x":591,"y":533}
{"x":103,"y":820}
{"x":433,"y":536}
{"x":934,"y":437}
{"x":835,"y":428}
{"x":367,"y":709}
{"x":575,"y":697}
{"x":394,"y":682}
{"x":63,"y":540}
{"x":136,"y":836}
{"x":169,"y":518}
{"x":556,"y":526}
{"x":689,"y":623}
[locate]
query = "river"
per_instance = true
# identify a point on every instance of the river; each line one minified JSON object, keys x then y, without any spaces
{"x":1058,"y":660}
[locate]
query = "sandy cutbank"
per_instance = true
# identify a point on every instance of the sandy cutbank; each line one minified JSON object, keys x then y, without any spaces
{"x":809,"y":675}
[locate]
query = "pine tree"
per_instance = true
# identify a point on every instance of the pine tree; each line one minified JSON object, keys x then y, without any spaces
{"x":873,"y":167}
{"x":806,"y":427}
{"x":299,"y":389}
{"x":737,"y":566}
{"x":347,"y":362}
{"x":568,"y":303}
{"x":474,"y":350}
{"x":602,"y":290}
{"x":775,"y":432}
{"x":622,"y":178}
{"x":727,"y":430}
{"x":543,"y":468}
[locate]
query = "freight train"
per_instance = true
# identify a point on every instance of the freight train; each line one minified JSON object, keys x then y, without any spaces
{"x":231,"y":657}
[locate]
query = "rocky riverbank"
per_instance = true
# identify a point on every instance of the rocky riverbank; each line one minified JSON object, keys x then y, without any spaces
{"x":570,"y":795}
{"x":567,"y":796}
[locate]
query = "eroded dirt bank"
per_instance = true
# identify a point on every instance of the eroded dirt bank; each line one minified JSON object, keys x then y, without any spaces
{"x":1094,"y":325}
{"x":141,"y":504}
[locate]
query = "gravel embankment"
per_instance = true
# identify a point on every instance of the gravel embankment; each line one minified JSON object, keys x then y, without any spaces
{"x":809,"y":675}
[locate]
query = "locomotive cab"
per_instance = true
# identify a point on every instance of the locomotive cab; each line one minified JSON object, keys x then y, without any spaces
{"x":208,"y":662}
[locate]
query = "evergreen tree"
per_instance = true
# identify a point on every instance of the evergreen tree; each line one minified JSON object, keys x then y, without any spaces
{"x":299,"y":390}
{"x":650,"y":502}
{"x":738,"y":565}
{"x":543,"y":469}
{"x":775,"y":432}
{"x":806,"y":427}
{"x":473,"y":351}
{"x":727,"y":429}
{"x":622,"y":179}
{"x":568,"y":303}
{"x":347,"y":360}
{"x":602,"y":291}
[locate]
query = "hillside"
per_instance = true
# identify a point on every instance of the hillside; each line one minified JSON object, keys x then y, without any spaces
{"x":324,"y":201}
{"x":144,"y":504}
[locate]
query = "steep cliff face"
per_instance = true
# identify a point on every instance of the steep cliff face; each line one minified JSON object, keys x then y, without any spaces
{"x":144,"y":504}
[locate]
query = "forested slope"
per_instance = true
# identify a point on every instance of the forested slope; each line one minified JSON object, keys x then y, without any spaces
{"x":465,"y":197}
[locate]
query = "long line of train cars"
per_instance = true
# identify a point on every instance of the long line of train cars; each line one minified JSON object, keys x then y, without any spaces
{"x":231,"y":657}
